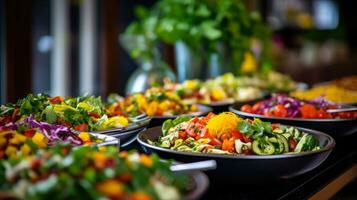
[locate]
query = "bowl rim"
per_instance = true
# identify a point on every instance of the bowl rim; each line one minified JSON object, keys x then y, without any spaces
{"x":234,"y":109}
{"x":202,"y":110}
{"x":329,"y":146}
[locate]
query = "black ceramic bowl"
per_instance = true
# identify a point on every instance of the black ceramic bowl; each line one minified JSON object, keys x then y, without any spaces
{"x":247,"y":168}
{"x":159,"y":120}
{"x":126,"y":135}
{"x":334,"y":127}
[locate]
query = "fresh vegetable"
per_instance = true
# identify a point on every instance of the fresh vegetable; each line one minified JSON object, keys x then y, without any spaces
{"x":227,"y":134}
{"x":154,"y":102}
{"x":280,"y":105}
{"x":89,"y":173}
{"x":27,"y":136}
{"x":85,"y":113}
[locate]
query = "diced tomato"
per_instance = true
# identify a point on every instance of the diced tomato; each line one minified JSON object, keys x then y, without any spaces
{"x":268,"y":113}
{"x":322,"y":114}
{"x":81,"y":127}
{"x":237,"y":135}
{"x":56,"y":100}
{"x":308,"y":111}
{"x":279,"y":111}
{"x":246,"y":108}
{"x":190,"y":130}
{"x":292,"y":144}
{"x":183,"y":135}
{"x":94,"y":114}
{"x":29,"y":133}
{"x":215,"y":142}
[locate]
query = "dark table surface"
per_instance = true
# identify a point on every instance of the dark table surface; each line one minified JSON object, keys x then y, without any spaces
{"x":343,"y":157}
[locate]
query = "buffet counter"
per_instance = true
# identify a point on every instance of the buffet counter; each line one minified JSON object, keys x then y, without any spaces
{"x":338,"y":170}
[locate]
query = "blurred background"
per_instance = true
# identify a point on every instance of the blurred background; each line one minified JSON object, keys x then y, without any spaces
{"x":71,"y":47}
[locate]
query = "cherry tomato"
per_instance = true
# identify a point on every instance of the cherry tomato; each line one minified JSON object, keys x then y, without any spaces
{"x":256,"y":107}
{"x":246,"y":108}
{"x":280,"y":111}
{"x":308,"y":111}
{"x":81,"y":127}
{"x":292,"y":144}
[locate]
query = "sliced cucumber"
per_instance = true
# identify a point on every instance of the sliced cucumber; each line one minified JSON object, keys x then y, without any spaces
{"x":300,"y":145}
{"x":285,"y":143}
{"x":263,"y":149}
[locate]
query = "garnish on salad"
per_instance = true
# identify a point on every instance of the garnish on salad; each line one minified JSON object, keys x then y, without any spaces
{"x":226,"y":133}
{"x":154,"y":102}
{"x":280,"y":105}
{"x":89,"y":173}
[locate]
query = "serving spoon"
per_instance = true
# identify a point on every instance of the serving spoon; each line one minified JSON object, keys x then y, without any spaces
{"x":341,"y":110}
{"x":194,"y":166}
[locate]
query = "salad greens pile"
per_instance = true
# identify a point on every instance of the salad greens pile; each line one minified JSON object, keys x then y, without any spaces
{"x":89,"y":173}
{"x":84,"y":113}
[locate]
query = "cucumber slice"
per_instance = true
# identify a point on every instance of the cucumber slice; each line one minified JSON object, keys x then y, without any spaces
{"x":301,"y":143}
{"x":263,"y":149}
{"x":285,"y":143}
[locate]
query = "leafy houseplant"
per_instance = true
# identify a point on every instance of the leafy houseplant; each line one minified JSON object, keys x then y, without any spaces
{"x":205,"y":27}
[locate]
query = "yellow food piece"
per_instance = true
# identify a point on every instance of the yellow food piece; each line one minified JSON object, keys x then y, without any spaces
{"x":10,"y":151}
{"x":84,"y":136}
{"x":152,"y":108}
{"x":191,"y":84}
{"x":40,"y":140}
{"x":115,"y":122}
{"x":146,"y":160}
{"x":330,"y":92}
{"x":62,"y":107}
{"x":85,"y":106}
{"x":225,"y":122}
{"x":25,"y":149}
{"x":249,"y":63}
{"x":111,"y":188}
{"x":194,"y":108}
{"x":2,"y":141}
{"x":218,"y":94}
{"x":17,"y":139}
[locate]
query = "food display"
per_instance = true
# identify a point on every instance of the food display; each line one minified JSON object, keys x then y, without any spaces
{"x":228,"y":88}
{"x":226,"y":133}
{"x":85,"y":113}
{"x":155,"y":101}
{"x":89,"y":173}
{"x":280,"y":105}
{"x":331,"y":93}
{"x":27,"y":136}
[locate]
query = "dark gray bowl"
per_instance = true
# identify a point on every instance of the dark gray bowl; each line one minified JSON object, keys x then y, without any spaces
{"x":248,"y":168}
{"x":159,"y":120}
{"x":334,"y":127}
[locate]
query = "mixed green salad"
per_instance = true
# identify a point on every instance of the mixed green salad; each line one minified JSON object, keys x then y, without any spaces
{"x":89,"y":173}
{"x":226,"y":133}
{"x":84,"y":113}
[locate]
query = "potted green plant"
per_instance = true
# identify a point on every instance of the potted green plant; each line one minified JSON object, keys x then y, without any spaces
{"x":213,"y":33}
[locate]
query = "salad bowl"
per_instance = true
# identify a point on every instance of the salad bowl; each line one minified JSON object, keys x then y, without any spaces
{"x":334,"y":127}
{"x":247,"y":168}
